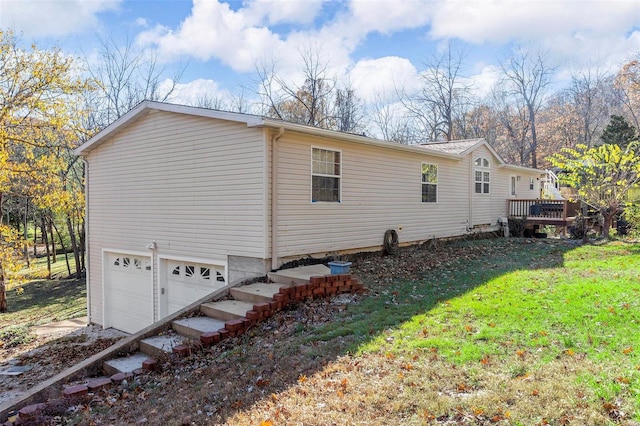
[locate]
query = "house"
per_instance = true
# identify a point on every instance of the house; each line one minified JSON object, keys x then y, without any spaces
{"x":182,"y":201}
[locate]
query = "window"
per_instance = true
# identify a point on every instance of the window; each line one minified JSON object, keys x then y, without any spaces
{"x":176,"y":271}
{"x":429,"y":183}
{"x":205,"y":273}
{"x":189,"y":270}
{"x":482,"y":175}
{"x":325,"y":175}
{"x":513,"y":185}
{"x":126,"y":262}
{"x":531,"y":184}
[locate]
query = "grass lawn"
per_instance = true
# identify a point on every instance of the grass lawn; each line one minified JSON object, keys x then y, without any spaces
{"x":506,"y":331}
{"x":526,"y":333}
{"x":39,"y":301}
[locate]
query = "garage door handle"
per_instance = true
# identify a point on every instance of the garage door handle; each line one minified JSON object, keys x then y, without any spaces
{"x":162,"y":290}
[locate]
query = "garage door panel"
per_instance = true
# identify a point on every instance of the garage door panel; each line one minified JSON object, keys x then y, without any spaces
{"x":128,"y":292}
{"x":187,"y":282}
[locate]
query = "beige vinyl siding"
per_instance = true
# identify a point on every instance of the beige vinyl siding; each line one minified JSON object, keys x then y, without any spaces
{"x":522,"y":186}
{"x":381,"y":189}
{"x":194,"y":185}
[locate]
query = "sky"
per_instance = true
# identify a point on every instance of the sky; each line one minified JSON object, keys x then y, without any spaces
{"x":375,"y":45}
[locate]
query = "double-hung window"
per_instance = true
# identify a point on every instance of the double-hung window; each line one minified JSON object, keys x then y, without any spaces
{"x":429,"y":183}
{"x":326,"y":175}
{"x":482,"y":175}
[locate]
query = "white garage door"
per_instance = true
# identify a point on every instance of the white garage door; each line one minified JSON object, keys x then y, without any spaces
{"x":128,"y":292}
{"x":184,"y":282}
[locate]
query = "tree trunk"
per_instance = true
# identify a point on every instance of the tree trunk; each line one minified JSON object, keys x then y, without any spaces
{"x":3,"y":288}
{"x":74,"y":246}
{"x":83,"y":247}
{"x":64,"y":249}
{"x":45,"y":239}
{"x":608,"y":216}
{"x":3,"y":291}
{"x":53,"y":241}
{"x":26,"y":226}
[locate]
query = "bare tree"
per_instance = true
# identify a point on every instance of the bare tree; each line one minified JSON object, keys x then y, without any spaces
{"x":513,"y":142}
{"x":392,"y":123}
{"x":593,"y":97}
{"x":319,"y":101}
{"x":126,"y":76}
{"x":526,"y":78}
{"x":445,"y":96}
{"x":627,"y":83}
{"x":206,"y":100}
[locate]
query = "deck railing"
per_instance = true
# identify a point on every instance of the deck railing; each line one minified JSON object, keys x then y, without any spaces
{"x":536,"y":208}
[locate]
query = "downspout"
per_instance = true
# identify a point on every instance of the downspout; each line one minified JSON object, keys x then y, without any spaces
{"x":274,"y":198}
{"x":471,"y":186}
{"x":87,"y":242}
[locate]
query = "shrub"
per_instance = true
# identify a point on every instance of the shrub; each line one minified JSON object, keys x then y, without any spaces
{"x":15,"y":336}
{"x":517,"y":226}
{"x":580,"y":227}
{"x":631,"y":219}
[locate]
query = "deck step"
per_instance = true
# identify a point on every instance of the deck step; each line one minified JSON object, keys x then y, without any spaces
{"x":299,"y":275}
{"x":125,"y":364}
{"x":226,"y":310}
{"x":193,"y":327}
{"x":162,"y":344}
{"x":256,"y":293}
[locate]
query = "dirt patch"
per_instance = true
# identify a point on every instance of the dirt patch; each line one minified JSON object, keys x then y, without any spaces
{"x":48,"y":355}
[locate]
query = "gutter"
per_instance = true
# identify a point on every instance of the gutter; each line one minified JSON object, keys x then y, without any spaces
{"x":87,"y":241}
{"x":274,"y":198}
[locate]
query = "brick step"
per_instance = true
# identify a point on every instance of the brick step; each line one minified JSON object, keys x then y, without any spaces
{"x":126,"y":364}
{"x":299,"y":275}
{"x":224,"y":319}
{"x":255,"y":293}
{"x":193,"y":327}
{"x":160,"y":345}
{"x":226,"y":310}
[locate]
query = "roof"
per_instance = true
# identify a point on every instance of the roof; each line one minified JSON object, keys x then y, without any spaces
{"x":453,"y":150}
{"x":454,"y":147}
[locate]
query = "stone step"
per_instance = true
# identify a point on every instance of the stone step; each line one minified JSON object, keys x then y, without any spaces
{"x":226,"y":310}
{"x":155,"y":346}
{"x":193,"y":327}
{"x":125,"y":364}
{"x":256,"y":293}
{"x":299,"y":275}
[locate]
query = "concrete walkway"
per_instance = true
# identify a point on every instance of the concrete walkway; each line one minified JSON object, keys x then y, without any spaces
{"x":60,"y":327}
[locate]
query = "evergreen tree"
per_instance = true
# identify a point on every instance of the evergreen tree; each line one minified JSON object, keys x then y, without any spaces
{"x":618,"y":132}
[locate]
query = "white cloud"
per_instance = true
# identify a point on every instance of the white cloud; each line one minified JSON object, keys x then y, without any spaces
{"x":46,"y":18}
{"x":380,"y":79}
{"x":485,"y":80}
{"x":195,"y":92}
{"x":275,"y":12}
{"x":387,"y":16}
{"x":214,"y":30}
{"x":504,"y":20}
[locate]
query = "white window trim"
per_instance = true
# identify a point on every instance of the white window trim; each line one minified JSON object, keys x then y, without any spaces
{"x":513,"y":186}
{"x":482,"y":169}
{"x":437,"y":184}
{"x":340,"y":195}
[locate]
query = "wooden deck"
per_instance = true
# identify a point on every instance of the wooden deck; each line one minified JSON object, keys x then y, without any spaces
{"x":545,"y":212}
